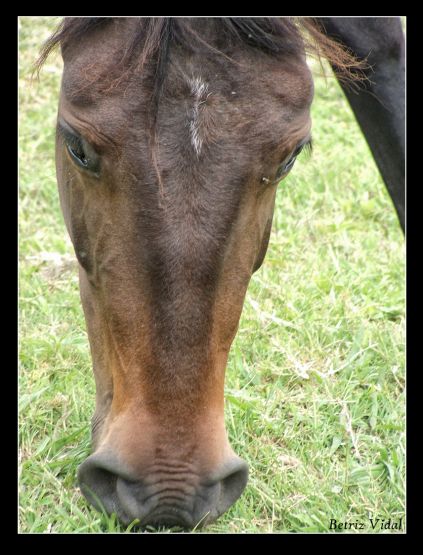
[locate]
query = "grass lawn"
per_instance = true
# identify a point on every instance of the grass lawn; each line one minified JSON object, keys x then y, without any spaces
{"x":315,"y":381}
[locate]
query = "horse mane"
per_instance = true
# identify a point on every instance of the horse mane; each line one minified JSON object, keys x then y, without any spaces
{"x":274,"y":35}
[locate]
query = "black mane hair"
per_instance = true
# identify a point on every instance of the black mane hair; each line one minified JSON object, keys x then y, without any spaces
{"x":275,"y":35}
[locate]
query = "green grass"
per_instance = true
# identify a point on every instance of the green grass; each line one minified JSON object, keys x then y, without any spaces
{"x":315,"y":380}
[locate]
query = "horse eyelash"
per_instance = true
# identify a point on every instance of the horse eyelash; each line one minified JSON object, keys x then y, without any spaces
{"x":307,"y":148}
{"x":69,"y":138}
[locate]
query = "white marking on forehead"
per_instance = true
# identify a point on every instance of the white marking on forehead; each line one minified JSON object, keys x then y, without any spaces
{"x":198,"y":87}
{"x":200,"y":91}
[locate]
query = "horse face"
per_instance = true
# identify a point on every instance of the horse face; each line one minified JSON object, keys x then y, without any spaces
{"x":168,"y":225}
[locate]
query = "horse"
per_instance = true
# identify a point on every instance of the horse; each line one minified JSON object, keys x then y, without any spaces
{"x":172,"y":136}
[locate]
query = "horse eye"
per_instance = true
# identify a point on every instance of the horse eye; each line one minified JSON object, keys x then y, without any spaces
{"x":80,"y":151}
{"x":83,"y":154}
{"x":287,"y":165}
{"x":78,"y":154}
{"x":290,"y":163}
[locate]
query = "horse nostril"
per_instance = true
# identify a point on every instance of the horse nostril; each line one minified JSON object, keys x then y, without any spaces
{"x":221,"y":491}
{"x":232,"y":486}
{"x":97,"y":477}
